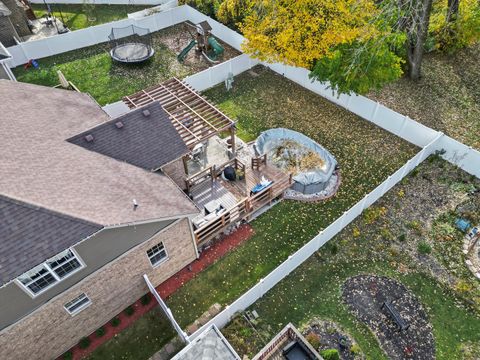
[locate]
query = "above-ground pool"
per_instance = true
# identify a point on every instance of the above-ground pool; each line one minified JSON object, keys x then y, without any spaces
{"x":311,"y":165}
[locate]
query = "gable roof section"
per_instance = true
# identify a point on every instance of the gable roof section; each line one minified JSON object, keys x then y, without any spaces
{"x":29,"y":235}
{"x":209,"y":345}
{"x":38,"y":166}
{"x":143,"y":137}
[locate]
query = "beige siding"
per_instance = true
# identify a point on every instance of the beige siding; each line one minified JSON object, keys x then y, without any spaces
{"x":50,"y":330}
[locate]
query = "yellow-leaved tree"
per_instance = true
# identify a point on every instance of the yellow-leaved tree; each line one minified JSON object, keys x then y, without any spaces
{"x":299,"y":32}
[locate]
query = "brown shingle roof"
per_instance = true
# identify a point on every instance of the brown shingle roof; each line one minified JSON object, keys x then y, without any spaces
{"x":144,"y":137}
{"x":29,"y":235}
{"x":40,"y":167}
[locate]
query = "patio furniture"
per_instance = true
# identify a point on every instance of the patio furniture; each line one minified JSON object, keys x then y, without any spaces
{"x":261,"y":186}
{"x":212,"y":207}
{"x":397,"y":318}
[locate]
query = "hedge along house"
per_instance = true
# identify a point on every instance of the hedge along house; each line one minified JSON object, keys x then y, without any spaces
{"x":79,"y":227}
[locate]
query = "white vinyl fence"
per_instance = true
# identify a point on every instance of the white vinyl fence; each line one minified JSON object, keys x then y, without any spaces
{"x":296,"y":259}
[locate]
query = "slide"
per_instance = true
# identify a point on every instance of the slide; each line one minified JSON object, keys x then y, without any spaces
{"x":217,"y":49}
{"x":183,"y":54}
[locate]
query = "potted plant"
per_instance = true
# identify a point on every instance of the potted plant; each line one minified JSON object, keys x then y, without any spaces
{"x":240,"y":174}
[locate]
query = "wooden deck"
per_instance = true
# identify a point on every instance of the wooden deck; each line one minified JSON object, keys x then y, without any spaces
{"x":241,"y":189}
{"x":234,"y":196}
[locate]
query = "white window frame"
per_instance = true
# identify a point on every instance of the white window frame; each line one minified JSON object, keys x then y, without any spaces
{"x":46,"y":266}
{"x":161,"y":261}
{"x":81,"y":308}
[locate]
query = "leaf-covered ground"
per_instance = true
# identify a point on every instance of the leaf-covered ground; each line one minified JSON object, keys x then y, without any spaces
{"x":92,"y":70}
{"x":385,"y":241}
{"x":366,"y":154}
{"x":75,"y":17}
{"x":447,"y":98}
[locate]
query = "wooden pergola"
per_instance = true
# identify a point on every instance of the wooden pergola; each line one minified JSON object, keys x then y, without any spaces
{"x":192,"y":115}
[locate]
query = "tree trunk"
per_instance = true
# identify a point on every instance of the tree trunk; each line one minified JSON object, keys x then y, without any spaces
{"x":452,"y":11}
{"x":416,"y":36}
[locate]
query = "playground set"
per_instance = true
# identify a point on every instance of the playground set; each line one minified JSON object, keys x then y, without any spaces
{"x":204,"y":44}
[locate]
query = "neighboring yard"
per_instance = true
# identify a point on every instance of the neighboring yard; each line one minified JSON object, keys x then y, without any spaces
{"x":447,"y":98}
{"x":93,"y":71}
{"x":398,"y":237}
{"x":75,"y":15}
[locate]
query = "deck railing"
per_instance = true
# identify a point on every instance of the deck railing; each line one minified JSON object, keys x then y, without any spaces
{"x":212,"y":172}
{"x":259,"y":161}
{"x":242,"y":210}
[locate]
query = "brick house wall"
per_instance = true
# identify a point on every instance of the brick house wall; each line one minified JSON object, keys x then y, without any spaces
{"x":49,"y":331}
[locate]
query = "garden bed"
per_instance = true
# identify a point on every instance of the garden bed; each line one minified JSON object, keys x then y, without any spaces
{"x":366,"y":296}
{"x":92,"y":70}
{"x":394,"y":238}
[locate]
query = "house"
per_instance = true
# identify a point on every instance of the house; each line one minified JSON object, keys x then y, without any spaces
{"x":78,"y":227}
{"x":288,"y":344}
{"x":90,"y":203}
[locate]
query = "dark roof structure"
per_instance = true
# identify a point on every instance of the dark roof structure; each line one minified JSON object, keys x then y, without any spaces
{"x":30,"y":235}
{"x":144,"y":137}
{"x":194,"y":118}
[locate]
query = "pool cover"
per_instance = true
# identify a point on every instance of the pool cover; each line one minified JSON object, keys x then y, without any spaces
{"x":273,"y":138}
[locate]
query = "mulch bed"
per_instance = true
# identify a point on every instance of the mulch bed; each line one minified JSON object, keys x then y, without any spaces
{"x":329,"y":335}
{"x":365,"y":295}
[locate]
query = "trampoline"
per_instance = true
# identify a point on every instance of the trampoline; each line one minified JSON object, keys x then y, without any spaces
{"x":312,"y":165}
{"x":131,"y":44}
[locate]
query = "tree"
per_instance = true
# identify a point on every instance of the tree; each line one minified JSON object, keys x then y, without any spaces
{"x":454,"y":24}
{"x":415,"y":23}
{"x":232,"y":12}
{"x":360,"y":67}
{"x":299,"y":32}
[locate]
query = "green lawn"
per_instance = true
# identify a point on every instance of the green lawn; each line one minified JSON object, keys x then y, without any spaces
{"x":139,"y":341}
{"x":92,"y":70}
{"x":75,"y":15}
{"x":269,"y":100}
{"x":371,"y":244}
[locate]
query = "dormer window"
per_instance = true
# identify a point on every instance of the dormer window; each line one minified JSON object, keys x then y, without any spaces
{"x":55,"y":269}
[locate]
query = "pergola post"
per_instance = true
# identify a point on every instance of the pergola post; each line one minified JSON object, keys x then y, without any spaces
{"x":232,"y":139}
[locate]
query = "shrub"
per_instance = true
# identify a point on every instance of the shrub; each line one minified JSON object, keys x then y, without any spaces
{"x":84,"y":343}
{"x":373,"y":213}
{"x":401,"y":193}
{"x":416,"y":226}
{"x":145,"y":300}
{"x":355,"y":349}
{"x":130,"y":310}
{"x":463,"y":287}
{"x":356,"y":232}
{"x":100,"y":332}
{"x":313,"y":339}
{"x":333,"y":249}
{"x":402,"y":237}
{"x":115,"y":321}
{"x":414,"y":172}
{"x":386,"y":233}
{"x":68,"y":355}
{"x":330,"y":354}
{"x":424,"y":248}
